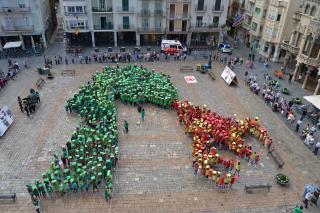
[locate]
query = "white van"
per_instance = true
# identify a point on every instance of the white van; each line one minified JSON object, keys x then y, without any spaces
{"x":172,"y":46}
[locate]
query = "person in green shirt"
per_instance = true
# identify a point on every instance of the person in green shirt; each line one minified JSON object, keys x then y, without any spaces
{"x":298,"y":209}
{"x":126,"y":126}
{"x":142,"y":114}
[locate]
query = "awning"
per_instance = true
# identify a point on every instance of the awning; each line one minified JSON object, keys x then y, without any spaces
{"x":314,"y":100}
{"x":12,"y":44}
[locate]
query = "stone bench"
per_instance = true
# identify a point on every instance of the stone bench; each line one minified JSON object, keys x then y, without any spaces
{"x":249,"y":187}
{"x":276,"y":157}
{"x":8,"y":196}
{"x":40,"y":82}
{"x":186,"y":69}
{"x":68,"y":72}
{"x":212,"y":75}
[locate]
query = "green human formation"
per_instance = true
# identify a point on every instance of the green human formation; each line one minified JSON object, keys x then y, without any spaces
{"x":89,"y":156}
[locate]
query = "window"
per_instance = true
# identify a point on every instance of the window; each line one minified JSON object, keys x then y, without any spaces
{"x":199,"y":21}
{"x":217,"y":5}
{"x":254,"y":26}
{"x":200,"y":5}
{"x":22,"y":4}
{"x":184,"y":25}
{"x":71,"y":9}
{"x":307,"y":44}
{"x":257,"y":11}
{"x":79,"y":9}
{"x":307,"y":9}
{"x":145,"y":23}
{"x":264,"y":13}
{"x":272,"y":15}
{"x":215,"y":21}
{"x":172,"y":10}
{"x":171,"y":25}
{"x":125,"y":5}
{"x":313,"y":11}
{"x":278,"y":17}
{"x":185,"y":10}
{"x":126,"y":22}
{"x":102,"y":4}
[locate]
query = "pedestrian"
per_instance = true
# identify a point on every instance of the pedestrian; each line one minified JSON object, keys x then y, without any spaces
{"x":26,"y":108}
{"x":304,"y":113}
{"x":195,"y":168}
{"x":142,"y":114}
{"x":66,"y":60}
{"x":252,"y":57}
{"x":36,"y":205}
{"x":299,"y":122}
{"x":300,"y":77}
{"x":316,"y":149}
{"x":290,"y":78}
{"x":72,"y":60}
{"x":298,"y":209}
{"x":249,"y":58}
{"x":237,"y":169}
{"x":307,"y":198}
{"x":126,"y":126}
{"x":20,"y":104}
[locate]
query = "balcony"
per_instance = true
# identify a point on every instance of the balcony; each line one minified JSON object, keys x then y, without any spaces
{"x":144,"y":12}
{"x":124,"y":27}
{"x":246,"y":26}
{"x":205,"y":28}
{"x":200,"y":10}
{"x":296,"y":16}
{"x":158,"y":12}
{"x":314,"y":26}
{"x":125,"y":10}
{"x":75,"y":13}
{"x":278,"y":3}
{"x":151,"y":30}
{"x":15,"y":28}
{"x":315,"y":62}
{"x":249,"y":13}
{"x":85,"y":27}
{"x":101,"y":10}
{"x":218,"y":9}
{"x":15,"y":9}
{"x":107,"y":26}
{"x":180,"y":1}
{"x":290,"y":48}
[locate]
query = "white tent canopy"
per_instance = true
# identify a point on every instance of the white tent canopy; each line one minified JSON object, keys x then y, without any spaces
{"x":12,"y":44}
{"x":314,"y":100}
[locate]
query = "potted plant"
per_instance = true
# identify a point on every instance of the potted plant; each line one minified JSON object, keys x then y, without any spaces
{"x":285,"y":91}
{"x":282,"y":179}
{"x":297,"y":100}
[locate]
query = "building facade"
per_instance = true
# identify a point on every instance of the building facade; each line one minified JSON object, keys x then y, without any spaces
{"x":302,"y":46}
{"x":142,"y":22}
{"x":31,"y":22}
{"x":208,"y":21}
{"x":278,"y":24}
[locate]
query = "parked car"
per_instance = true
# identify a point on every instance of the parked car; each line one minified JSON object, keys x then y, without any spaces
{"x":225,"y":48}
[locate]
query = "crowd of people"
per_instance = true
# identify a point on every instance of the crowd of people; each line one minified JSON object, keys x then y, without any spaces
{"x":91,"y":153}
{"x":13,"y":69}
{"x":210,"y":132}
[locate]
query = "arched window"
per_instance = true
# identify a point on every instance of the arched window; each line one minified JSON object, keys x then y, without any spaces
{"x":307,"y":44}
{"x":313,"y":11}
{"x":307,"y":9}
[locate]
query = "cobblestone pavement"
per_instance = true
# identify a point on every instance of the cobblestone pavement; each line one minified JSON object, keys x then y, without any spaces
{"x":154,"y":172}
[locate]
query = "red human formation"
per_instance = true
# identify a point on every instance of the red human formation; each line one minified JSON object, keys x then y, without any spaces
{"x":210,"y":130}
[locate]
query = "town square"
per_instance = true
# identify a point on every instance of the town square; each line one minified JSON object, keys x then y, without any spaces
{"x":226,"y":124}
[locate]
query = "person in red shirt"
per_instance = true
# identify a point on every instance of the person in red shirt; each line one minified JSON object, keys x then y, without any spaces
{"x":256,"y":159}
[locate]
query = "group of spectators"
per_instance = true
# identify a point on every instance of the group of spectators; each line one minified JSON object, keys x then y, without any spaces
{"x":10,"y":74}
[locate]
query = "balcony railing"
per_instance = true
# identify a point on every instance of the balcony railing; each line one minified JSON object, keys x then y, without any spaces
{"x":201,"y":25}
{"x":15,"y":9}
{"x":75,"y":13}
{"x":85,"y":27}
{"x":125,"y":10}
{"x":102,"y":10}
{"x":278,"y":3}
{"x":126,"y":27}
{"x":218,"y":9}
{"x":158,"y":12}
{"x":108,"y":26}
{"x":151,"y":30}
{"x":199,"y":10}
{"x":22,"y":28}
{"x":308,"y":61}
{"x":145,"y":12}
{"x":290,"y":48}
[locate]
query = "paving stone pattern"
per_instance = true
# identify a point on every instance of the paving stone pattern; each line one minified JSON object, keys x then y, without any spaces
{"x":154,"y":172}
